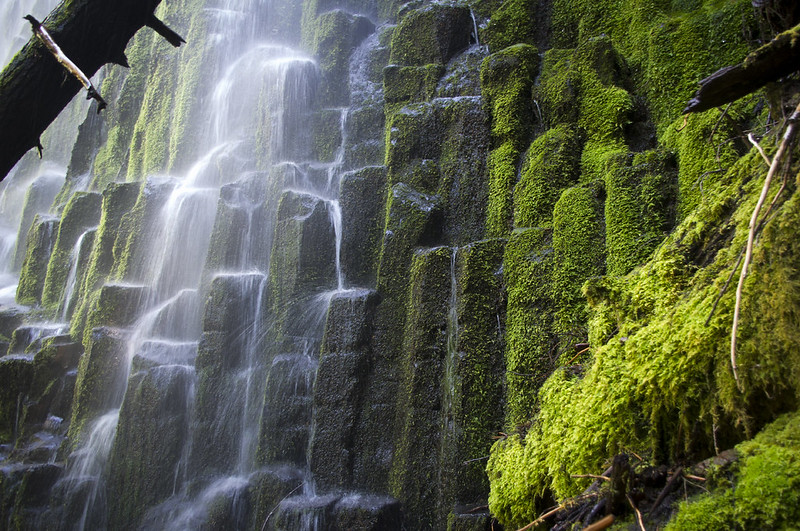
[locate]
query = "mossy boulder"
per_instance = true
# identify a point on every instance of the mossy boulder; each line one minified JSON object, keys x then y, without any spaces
{"x":431,"y":34}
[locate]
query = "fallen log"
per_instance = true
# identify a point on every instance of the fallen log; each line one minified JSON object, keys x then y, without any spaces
{"x":776,"y":59}
{"x":35,"y":87}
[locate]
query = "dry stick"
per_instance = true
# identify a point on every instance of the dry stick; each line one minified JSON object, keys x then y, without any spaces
{"x":638,"y":514}
{"x":592,"y":476}
{"x":601,"y":524}
{"x":753,"y":141}
{"x":279,"y":504}
{"x":576,"y":356}
{"x":666,"y":490}
{"x":788,"y":137}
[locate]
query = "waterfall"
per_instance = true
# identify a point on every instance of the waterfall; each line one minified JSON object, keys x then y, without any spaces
{"x":213,"y":367}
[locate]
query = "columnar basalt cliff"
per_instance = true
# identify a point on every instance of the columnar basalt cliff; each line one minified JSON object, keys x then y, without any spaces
{"x":423,"y":265}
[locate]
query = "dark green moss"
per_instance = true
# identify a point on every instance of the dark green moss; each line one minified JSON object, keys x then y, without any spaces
{"x":528,"y":272}
{"x":408,"y":84}
{"x":431,"y":34}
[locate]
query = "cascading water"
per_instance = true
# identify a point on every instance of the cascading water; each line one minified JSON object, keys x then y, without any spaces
{"x":218,"y":358}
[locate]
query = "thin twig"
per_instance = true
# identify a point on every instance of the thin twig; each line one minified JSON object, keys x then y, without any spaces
{"x":753,"y":141}
{"x":264,"y":525}
{"x":638,"y":514}
{"x":576,"y":356}
{"x":593,"y":476}
{"x":788,"y":137}
{"x":725,"y":287}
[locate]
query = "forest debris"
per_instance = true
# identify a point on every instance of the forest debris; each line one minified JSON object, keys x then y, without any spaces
{"x":669,"y":487}
{"x":601,"y":524}
{"x":788,"y":139}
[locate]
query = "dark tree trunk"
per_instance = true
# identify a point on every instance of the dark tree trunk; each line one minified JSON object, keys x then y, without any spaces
{"x":35,"y":88}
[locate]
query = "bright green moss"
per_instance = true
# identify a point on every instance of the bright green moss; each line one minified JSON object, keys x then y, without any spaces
{"x":639,"y":206}
{"x":659,"y":380}
{"x":703,"y":150}
{"x":579,"y":254}
{"x":514,"y":22}
{"x":432,"y":34}
{"x":766,"y":486}
{"x":40,"y":241}
{"x":502,"y":166}
{"x":550,"y":165}
{"x":506,"y":83}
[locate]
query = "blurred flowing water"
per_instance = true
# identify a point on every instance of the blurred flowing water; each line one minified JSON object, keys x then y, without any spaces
{"x":257,"y":97}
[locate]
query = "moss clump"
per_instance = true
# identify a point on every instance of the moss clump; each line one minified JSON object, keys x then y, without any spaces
{"x":551,"y":164}
{"x":766,"y":486}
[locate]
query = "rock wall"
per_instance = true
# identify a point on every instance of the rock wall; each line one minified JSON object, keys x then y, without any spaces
{"x":534,"y":257}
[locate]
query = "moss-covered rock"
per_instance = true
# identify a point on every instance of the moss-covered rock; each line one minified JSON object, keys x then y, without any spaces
{"x":639,"y":209}
{"x":409,"y":84}
{"x":417,"y":462}
{"x":506,"y":82}
{"x":551,"y":164}
{"x":81,"y":213}
{"x":149,"y":442}
{"x":431,"y":34}
{"x":528,"y":271}
{"x":118,"y":199}
{"x":41,"y":241}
